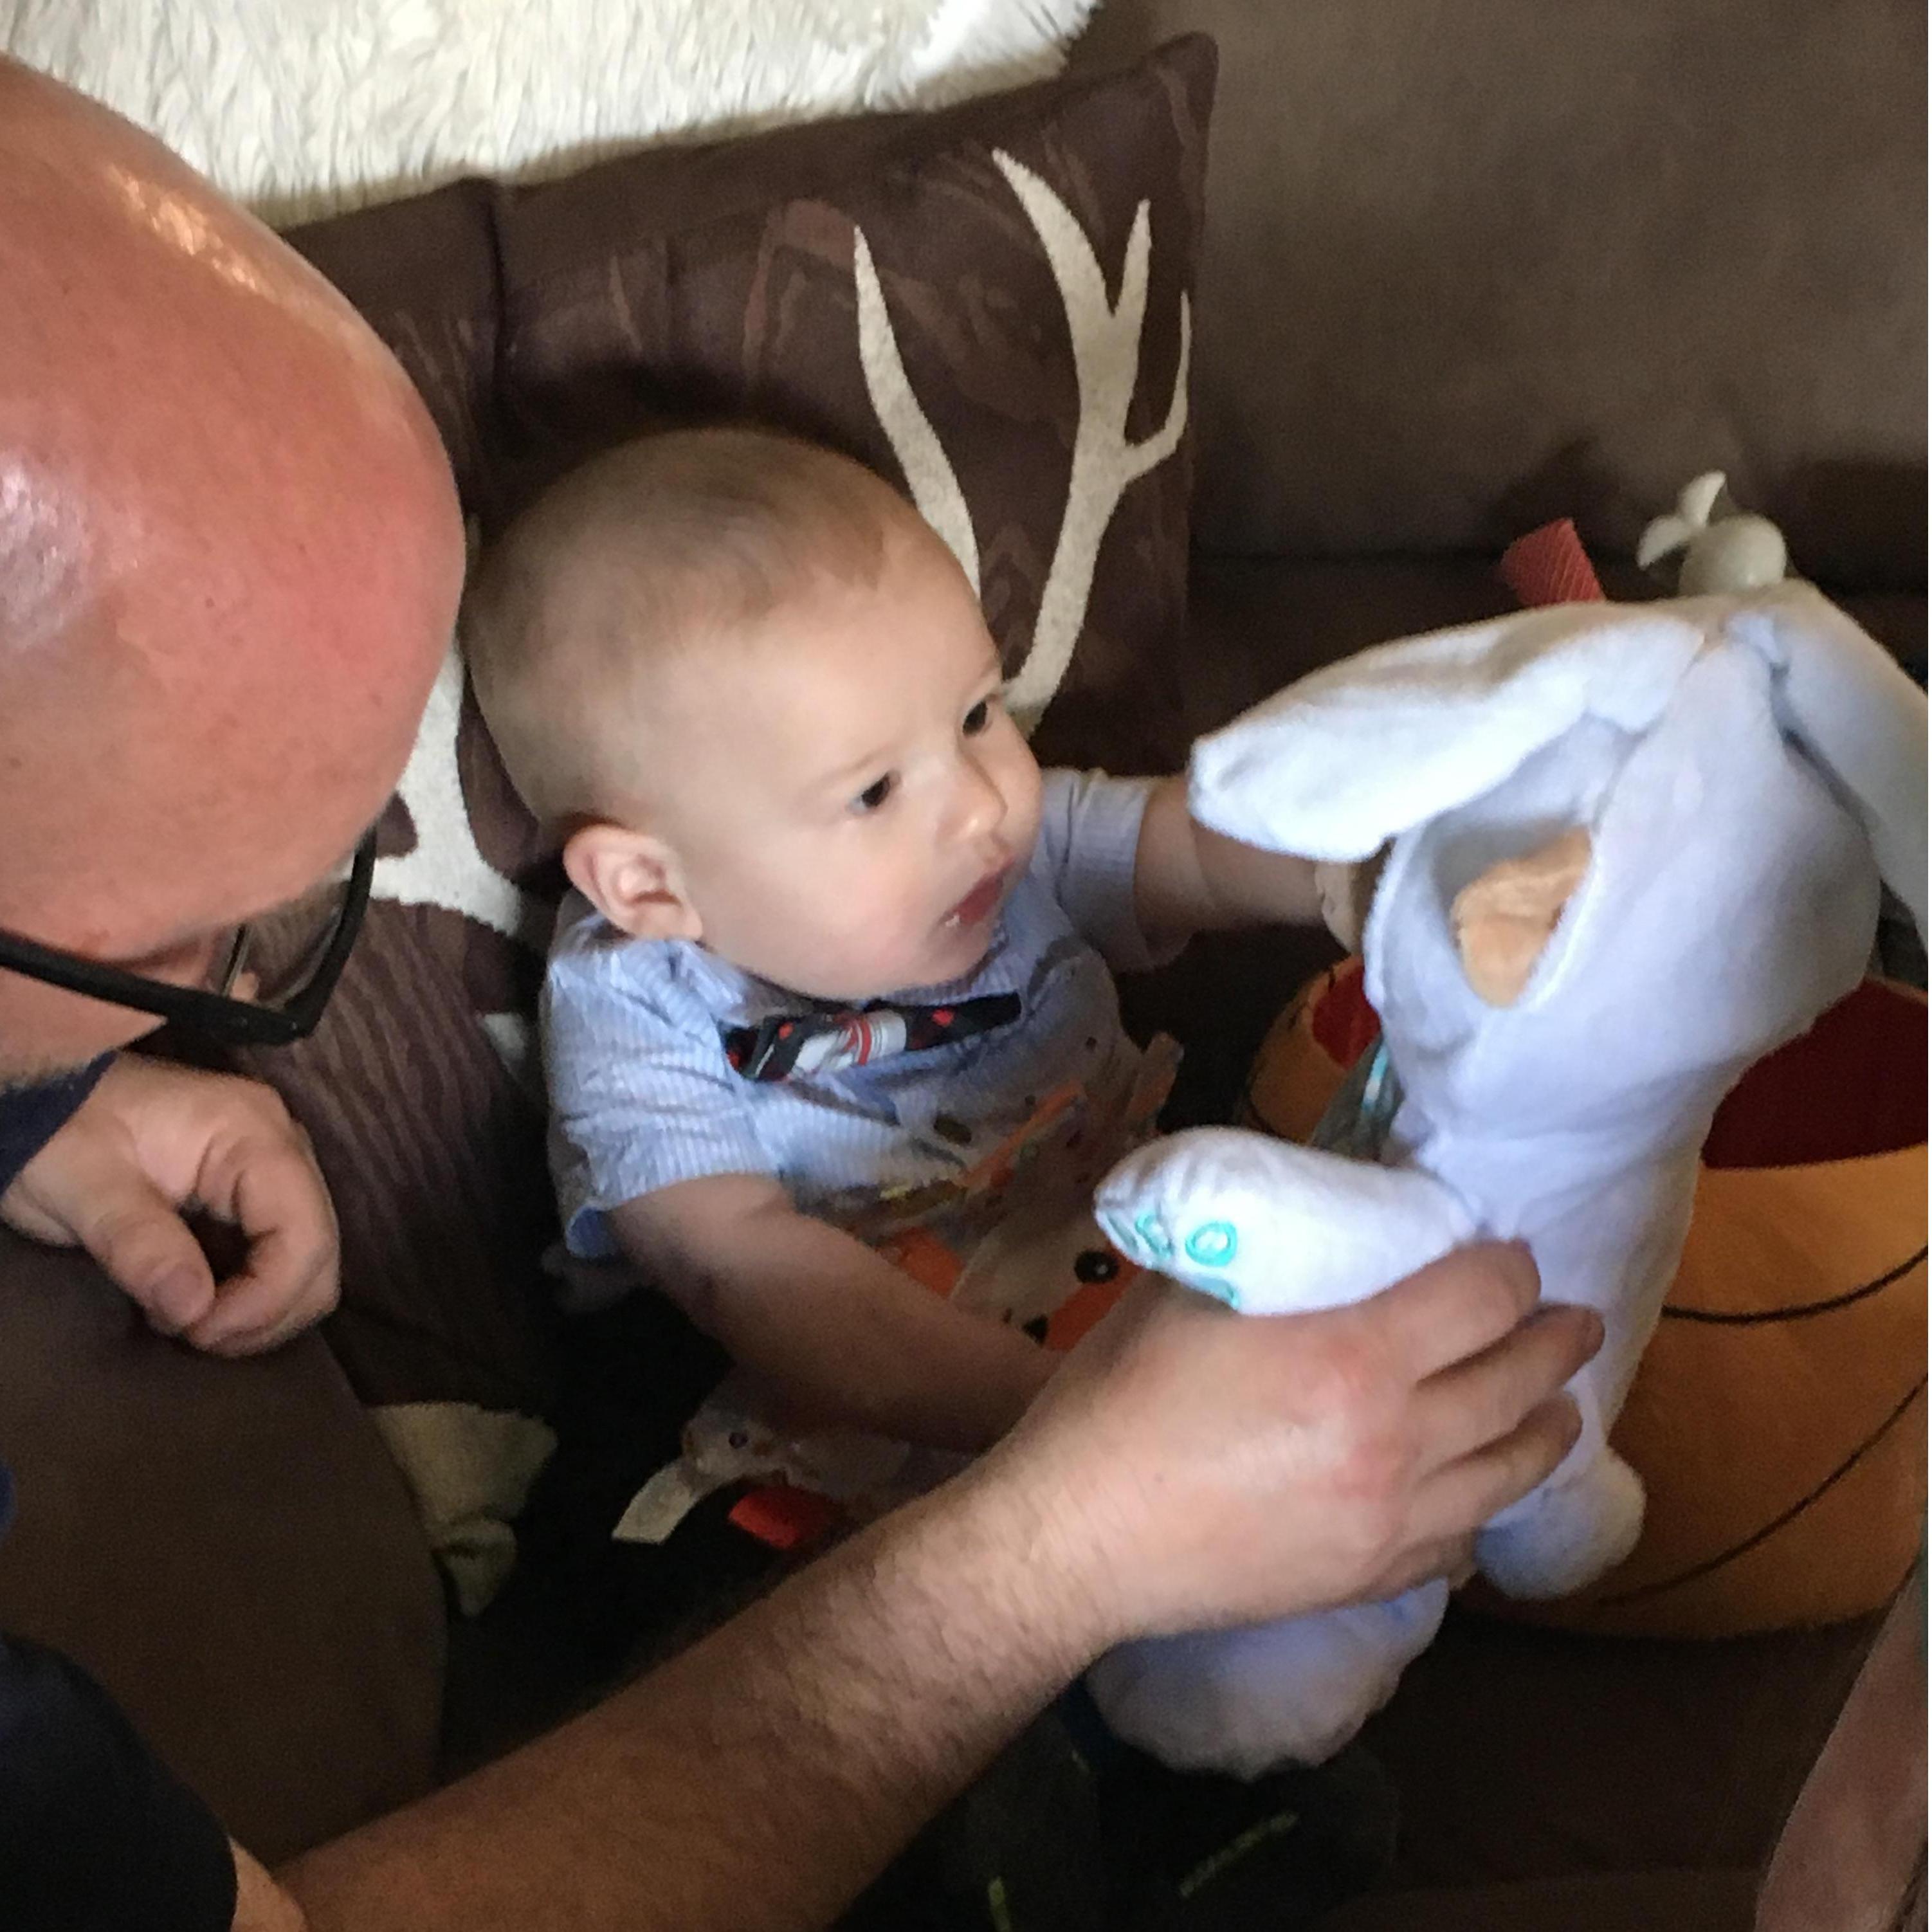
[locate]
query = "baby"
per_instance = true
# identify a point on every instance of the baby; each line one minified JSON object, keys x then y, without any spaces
{"x":835,"y":938}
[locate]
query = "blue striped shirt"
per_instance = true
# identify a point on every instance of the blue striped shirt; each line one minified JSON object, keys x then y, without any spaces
{"x":642,"y":1095}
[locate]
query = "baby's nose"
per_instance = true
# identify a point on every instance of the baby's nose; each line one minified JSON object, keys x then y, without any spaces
{"x":981,"y":804}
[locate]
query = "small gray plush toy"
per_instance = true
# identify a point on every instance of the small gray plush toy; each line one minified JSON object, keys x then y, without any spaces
{"x":1718,"y":548}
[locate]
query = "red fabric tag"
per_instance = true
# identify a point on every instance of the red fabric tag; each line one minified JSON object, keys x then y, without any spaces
{"x":784,"y":1517}
{"x":1550,"y":566}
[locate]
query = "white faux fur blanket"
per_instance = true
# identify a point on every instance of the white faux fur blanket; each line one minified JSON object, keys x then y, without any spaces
{"x":301,"y":108}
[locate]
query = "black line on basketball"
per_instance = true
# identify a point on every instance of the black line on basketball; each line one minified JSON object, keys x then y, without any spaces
{"x":1750,"y":1318}
{"x":1776,"y":1523}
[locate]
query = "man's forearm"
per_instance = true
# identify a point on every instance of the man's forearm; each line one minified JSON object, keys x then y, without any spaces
{"x":1185,"y":1467}
{"x":759,"y":1781}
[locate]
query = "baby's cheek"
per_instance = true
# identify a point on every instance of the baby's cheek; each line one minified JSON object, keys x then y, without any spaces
{"x":1024,"y":780}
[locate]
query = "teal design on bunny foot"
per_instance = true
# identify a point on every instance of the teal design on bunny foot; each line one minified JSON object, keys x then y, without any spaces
{"x":1271,"y":1229}
{"x":1218,"y":1287}
{"x":1214,"y":1244}
{"x":1146,"y":1238}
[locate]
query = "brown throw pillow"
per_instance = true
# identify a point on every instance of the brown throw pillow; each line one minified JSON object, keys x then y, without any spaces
{"x":990,"y":305}
{"x":424,"y":272}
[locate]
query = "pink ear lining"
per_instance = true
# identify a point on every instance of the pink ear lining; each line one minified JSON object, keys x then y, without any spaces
{"x":1504,"y":917}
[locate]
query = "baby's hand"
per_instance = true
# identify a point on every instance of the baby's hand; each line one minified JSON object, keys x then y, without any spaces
{"x":1346,"y":892}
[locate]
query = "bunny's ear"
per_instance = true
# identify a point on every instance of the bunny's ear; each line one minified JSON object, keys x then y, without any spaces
{"x":1337,"y":764}
{"x":1860,"y":717}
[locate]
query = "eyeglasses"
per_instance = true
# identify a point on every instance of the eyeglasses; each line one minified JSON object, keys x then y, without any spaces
{"x":265,"y":983}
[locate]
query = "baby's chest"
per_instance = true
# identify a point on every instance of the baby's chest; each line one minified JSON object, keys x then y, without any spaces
{"x":937,"y":1117}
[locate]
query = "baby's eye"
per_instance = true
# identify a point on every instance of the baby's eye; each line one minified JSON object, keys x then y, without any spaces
{"x":977,"y":720}
{"x":875,"y":794}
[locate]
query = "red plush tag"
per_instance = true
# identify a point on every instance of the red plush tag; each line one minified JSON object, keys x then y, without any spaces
{"x":784,"y":1517}
{"x":1550,"y":566}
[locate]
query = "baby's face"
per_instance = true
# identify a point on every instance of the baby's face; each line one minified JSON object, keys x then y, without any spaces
{"x":851,"y":804}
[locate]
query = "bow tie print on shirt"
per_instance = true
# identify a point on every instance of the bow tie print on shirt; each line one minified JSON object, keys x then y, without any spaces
{"x":785,"y":1044}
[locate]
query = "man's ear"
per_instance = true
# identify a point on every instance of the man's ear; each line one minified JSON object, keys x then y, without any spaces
{"x":634,"y":879}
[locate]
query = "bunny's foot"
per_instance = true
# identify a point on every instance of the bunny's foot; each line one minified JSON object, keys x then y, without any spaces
{"x":1245,"y":1701}
{"x":1565,"y":1533}
{"x":1272,"y":1229}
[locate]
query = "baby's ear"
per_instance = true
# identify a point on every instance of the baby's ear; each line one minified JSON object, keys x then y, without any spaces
{"x":1504,"y":917}
{"x":634,"y":879}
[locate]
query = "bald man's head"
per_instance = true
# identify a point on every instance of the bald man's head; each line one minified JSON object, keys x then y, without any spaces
{"x":229,"y":558}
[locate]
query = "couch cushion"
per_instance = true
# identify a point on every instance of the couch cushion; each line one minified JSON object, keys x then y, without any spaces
{"x":1255,"y":624}
{"x":1531,"y":1754}
{"x":423,"y":273}
{"x":1470,"y":267}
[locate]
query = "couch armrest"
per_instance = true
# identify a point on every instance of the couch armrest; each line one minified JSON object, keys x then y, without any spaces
{"x":227,"y":1546}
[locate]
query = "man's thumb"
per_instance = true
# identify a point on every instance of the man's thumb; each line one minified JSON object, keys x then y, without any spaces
{"x":136,"y":1233}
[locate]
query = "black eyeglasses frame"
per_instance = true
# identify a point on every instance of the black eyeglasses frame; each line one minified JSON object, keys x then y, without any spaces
{"x":214,"y":1016}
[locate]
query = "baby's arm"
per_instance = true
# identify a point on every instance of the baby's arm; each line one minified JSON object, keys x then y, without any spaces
{"x":839,"y":1337}
{"x":1190,"y":879}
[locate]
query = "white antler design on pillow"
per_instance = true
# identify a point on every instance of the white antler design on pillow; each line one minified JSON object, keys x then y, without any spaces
{"x":446,"y":868}
{"x":936,"y":493}
{"x":1106,"y":360}
{"x":1106,"y":341}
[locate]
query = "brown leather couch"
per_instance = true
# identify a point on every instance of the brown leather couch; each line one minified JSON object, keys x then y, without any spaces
{"x":1466,"y":268}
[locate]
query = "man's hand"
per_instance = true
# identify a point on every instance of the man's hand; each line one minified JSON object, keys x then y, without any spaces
{"x":1191,"y":1467}
{"x":153,"y":1141}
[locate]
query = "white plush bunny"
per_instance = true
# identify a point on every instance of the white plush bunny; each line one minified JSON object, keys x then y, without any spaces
{"x":1677,"y":815}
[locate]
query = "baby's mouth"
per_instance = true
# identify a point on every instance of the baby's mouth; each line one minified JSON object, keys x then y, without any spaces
{"x":979,"y":904}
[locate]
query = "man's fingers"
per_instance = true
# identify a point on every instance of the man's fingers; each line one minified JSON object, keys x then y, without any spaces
{"x":1469,"y":1492}
{"x":136,"y":1234}
{"x":273,"y":1194}
{"x":261,"y":1905}
{"x":251,"y":1315}
{"x":1479,"y":1400}
{"x":288,"y":1282}
{"x":152,"y":1139}
{"x":1458,"y":1305}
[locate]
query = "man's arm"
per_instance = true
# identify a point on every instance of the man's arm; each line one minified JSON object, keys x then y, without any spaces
{"x":1190,"y":879}
{"x":1187,"y":1467}
{"x":838,"y":1336}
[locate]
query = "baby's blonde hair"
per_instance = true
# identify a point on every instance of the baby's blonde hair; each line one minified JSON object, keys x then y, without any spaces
{"x":653,"y":549}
